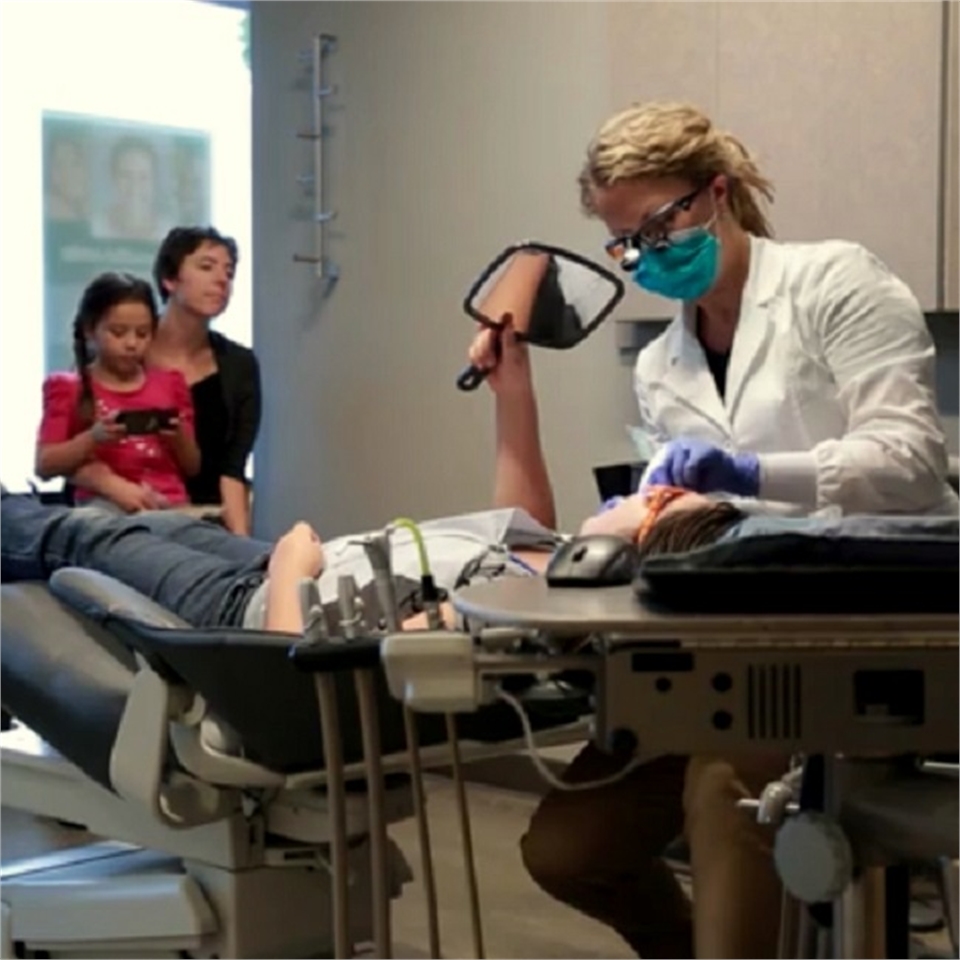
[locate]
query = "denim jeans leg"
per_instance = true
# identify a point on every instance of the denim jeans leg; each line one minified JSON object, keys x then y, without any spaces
{"x":24,"y":521}
{"x":37,"y":540}
{"x":204,"y":536}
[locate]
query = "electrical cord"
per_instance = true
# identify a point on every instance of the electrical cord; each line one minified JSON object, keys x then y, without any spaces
{"x":417,"y":535}
{"x":430,"y":596}
{"x":429,"y":593}
{"x":544,"y":770}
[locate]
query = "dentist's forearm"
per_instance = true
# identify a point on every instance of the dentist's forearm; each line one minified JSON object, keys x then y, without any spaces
{"x":789,"y":477}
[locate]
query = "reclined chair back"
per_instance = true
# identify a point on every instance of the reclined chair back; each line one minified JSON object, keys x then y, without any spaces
{"x":245,"y":676}
{"x":249,"y":683}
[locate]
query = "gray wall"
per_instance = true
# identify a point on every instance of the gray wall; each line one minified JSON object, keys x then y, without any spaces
{"x":457,"y":128}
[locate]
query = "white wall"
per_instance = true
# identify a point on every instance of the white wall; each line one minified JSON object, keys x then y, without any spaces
{"x":64,"y":57}
{"x":458,"y":128}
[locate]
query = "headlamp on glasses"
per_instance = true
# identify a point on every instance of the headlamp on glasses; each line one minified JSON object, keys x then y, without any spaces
{"x":654,"y":233}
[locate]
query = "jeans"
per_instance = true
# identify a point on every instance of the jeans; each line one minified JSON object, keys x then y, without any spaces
{"x":194,"y":568}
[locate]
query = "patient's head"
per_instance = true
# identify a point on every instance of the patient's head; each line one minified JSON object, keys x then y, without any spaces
{"x":688,"y":523}
{"x":666,"y":520}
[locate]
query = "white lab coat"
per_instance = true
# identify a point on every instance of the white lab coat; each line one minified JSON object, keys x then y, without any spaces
{"x":830,"y":381}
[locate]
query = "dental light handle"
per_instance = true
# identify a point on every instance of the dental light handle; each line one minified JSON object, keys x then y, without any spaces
{"x":377,"y":549}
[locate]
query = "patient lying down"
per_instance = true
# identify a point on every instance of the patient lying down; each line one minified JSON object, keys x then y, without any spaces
{"x":210,"y":577}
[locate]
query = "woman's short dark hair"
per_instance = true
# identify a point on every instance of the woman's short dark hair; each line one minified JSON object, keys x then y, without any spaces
{"x":681,"y":530}
{"x":178,"y":244}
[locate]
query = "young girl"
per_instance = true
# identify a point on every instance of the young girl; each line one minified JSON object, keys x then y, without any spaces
{"x":84,"y":434}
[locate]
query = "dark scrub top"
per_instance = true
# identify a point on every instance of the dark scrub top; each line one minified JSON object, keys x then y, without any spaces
{"x":718,"y":363}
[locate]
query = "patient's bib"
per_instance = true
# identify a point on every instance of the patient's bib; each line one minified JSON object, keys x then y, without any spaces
{"x":451,"y":543}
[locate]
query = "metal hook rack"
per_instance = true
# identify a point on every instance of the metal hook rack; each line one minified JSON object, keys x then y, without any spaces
{"x":323,"y":45}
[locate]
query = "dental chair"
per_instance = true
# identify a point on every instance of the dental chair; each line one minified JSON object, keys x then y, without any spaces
{"x":200,"y":755}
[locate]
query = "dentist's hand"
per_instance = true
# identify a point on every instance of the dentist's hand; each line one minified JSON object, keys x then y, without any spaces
{"x":705,"y":468}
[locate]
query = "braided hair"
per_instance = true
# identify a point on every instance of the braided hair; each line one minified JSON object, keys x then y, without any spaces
{"x":102,"y":294}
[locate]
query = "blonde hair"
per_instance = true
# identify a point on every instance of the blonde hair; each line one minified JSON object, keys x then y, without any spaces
{"x":675,"y":140}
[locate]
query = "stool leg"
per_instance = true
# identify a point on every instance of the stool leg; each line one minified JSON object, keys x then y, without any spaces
{"x":788,"y":942}
{"x":798,"y":932}
{"x":950,"y":891}
{"x":897,"y":896}
{"x":859,"y":918}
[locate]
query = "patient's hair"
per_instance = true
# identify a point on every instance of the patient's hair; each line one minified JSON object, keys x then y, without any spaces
{"x":683,"y":530}
{"x":675,"y":140}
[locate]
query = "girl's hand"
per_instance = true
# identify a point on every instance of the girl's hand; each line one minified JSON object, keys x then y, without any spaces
{"x":173,"y":431}
{"x":107,"y":430}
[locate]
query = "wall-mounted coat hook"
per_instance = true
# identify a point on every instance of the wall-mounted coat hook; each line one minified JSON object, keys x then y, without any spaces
{"x":323,"y":45}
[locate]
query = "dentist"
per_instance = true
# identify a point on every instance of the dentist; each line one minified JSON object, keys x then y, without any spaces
{"x":800,"y":373}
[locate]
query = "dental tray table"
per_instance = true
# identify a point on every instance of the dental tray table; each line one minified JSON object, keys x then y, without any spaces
{"x":687,"y":682}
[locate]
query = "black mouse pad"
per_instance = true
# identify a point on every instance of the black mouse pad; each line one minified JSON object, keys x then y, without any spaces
{"x":892,"y":565}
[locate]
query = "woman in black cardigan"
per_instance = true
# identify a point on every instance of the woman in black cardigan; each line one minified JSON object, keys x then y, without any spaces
{"x":194,"y":271}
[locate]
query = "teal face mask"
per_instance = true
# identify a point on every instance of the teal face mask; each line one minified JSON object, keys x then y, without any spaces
{"x":683,"y":269}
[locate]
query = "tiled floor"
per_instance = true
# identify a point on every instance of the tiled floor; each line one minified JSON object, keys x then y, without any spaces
{"x":519,"y":920}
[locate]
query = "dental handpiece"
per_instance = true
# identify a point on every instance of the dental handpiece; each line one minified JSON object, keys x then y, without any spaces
{"x":377,"y":549}
{"x":348,"y":603}
{"x":314,"y":621}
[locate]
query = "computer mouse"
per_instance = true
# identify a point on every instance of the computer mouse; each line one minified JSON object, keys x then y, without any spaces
{"x":599,"y":560}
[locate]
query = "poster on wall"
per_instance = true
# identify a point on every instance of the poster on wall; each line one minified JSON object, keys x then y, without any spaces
{"x":111,"y":191}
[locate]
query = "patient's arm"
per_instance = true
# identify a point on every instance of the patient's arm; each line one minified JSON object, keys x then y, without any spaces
{"x":521,"y":478}
{"x":297,"y":555}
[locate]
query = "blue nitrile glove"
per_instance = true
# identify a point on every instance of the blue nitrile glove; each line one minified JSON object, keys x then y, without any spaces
{"x":706,"y":468}
{"x":609,"y":504}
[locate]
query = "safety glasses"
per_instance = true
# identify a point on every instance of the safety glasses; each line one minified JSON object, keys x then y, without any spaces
{"x":654,"y":232}
{"x":657,"y":499}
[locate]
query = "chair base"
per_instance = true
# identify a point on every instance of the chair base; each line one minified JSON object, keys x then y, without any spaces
{"x":116,"y":900}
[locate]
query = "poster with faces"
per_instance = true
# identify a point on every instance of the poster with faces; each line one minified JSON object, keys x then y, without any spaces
{"x":111,"y":191}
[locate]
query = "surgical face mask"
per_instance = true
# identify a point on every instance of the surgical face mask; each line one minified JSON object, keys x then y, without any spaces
{"x":685,"y":268}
